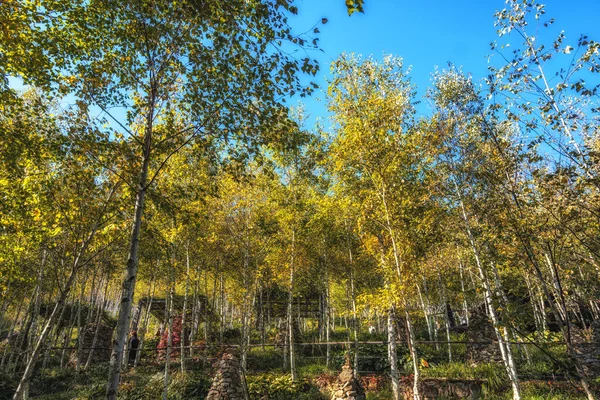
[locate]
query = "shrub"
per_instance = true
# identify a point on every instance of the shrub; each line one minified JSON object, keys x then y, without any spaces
{"x":281,"y":387}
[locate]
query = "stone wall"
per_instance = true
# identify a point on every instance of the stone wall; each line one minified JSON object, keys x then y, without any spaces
{"x":102,"y":348}
{"x":229,"y":382}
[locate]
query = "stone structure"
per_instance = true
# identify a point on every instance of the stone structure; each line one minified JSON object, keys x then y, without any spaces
{"x":587,"y":350}
{"x":440,"y":388}
{"x":102,"y":347}
{"x":347,"y":387}
{"x":229,"y":382}
{"x":480,"y":332}
{"x":282,"y":333}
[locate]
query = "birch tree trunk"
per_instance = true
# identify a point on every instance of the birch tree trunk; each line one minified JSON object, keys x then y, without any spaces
{"x":393,"y":354}
{"x":462,"y":289}
{"x":169,"y":340}
{"x":290,"y":309}
{"x":185,"y":301}
{"x":413,"y":355}
{"x":327,"y":320}
{"x":128,"y":288}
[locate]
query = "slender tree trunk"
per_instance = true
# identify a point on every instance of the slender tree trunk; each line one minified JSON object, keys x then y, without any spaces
{"x":286,"y":341}
{"x":128,"y":288}
{"x":413,"y":354}
{"x":537,"y":317}
{"x":21,"y":341}
{"x":355,"y":325}
{"x":79,"y":326}
{"x":290,"y":309}
{"x":425,"y":313}
{"x":464,"y":295}
{"x":327,"y":319}
{"x":169,"y":339}
{"x":245,"y":337}
{"x":56,"y":335}
{"x":222,"y":308}
{"x":393,"y":355}
{"x":447,"y":310}
{"x":195,"y":310}
{"x":185,"y":301}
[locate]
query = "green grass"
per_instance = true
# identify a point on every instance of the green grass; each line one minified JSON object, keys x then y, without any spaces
{"x":66,"y":384}
{"x":145,"y":383}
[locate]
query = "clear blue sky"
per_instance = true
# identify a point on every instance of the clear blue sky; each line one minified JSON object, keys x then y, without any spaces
{"x":425,"y":33}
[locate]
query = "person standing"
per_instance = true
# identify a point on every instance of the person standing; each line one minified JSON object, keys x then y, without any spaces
{"x":134,"y":343}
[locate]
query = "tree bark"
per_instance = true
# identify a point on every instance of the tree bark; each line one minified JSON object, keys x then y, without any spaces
{"x":413,"y":354}
{"x":185,"y":303}
{"x":169,"y":339}
{"x":290,"y":309}
{"x":128,"y":288}
{"x":393,"y":355}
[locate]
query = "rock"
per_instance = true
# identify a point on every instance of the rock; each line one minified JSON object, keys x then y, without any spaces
{"x":228,"y":382}
{"x":480,"y":331}
{"x":587,"y":353}
{"x":436,"y":388}
{"x":347,"y":387}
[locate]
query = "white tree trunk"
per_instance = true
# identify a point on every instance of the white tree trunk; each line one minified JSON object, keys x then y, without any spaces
{"x":393,"y":355}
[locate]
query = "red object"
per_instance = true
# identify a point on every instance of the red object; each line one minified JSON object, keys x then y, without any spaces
{"x":175,"y":340}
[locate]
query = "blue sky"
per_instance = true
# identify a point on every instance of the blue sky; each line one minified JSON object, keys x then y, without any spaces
{"x":425,"y":33}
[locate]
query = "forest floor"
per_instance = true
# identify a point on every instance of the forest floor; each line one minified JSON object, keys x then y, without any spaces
{"x":266,"y":380}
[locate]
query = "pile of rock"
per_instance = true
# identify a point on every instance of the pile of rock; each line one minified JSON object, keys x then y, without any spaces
{"x":480,"y":332}
{"x":228,"y":382}
{"x":347,"y":387}
{"x":282,"y":334}
{"x":586,"y":348}
{"x":441,"y":388}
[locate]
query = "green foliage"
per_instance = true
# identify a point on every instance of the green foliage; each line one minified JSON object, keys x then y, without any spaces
{"x":7,"y":386}
{"x":264,"y":359}
{"x":281,"y":387}
{"x":66,"y":384}
{"x":355,"y":6}
{"x":385,"y":394}
{"x":146,"y":385}
{"x":494,"y":375}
